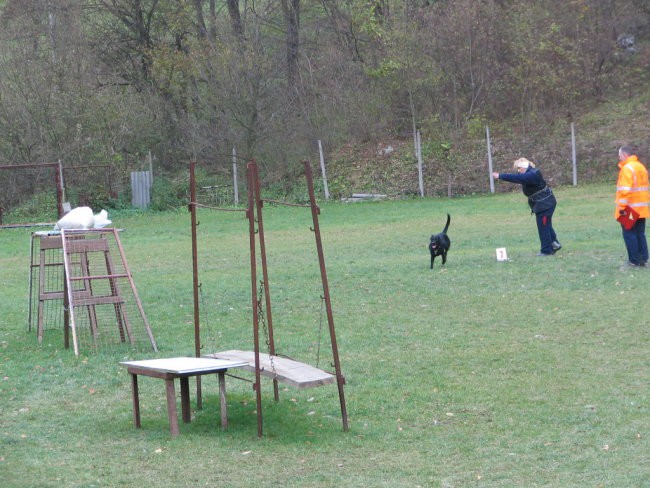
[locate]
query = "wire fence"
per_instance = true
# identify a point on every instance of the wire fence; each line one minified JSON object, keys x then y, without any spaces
{"x":81,"y":292}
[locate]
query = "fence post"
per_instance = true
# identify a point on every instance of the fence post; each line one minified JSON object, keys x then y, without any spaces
{"x":322,"y":168}
{"x":65,"y":206}
{"x":418,"y":151}
{"x":58,"y":180}
{"x":574,"y":161}
{"x":489,"y":154}
{"x":234,"y":175}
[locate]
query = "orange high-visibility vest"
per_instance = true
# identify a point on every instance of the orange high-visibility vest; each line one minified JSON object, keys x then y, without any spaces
{"x":632,"y":187}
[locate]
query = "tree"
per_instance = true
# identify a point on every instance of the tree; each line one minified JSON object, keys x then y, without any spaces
{"x":291,"y":13}
{"x":235,"y":18}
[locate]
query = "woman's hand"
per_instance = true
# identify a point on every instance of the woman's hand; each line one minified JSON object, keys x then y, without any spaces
{"x":495,"y":175}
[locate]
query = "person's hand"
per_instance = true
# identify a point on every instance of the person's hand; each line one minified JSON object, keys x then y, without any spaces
{"x":495,"y":175}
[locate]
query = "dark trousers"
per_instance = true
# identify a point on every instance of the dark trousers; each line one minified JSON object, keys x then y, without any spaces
{"x":635,"y":243}
{"x":545,"y":230}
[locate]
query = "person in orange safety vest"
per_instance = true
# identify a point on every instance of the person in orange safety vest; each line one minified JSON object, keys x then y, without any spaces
{"x":632,"y":194}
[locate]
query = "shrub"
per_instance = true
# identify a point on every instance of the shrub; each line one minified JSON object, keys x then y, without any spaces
{"x":167,"y":194}
{"x":40,"y":207}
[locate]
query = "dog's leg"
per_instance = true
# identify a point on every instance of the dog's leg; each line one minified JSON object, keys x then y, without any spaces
{"x":444,"y":256}
{"x":432,"y":258}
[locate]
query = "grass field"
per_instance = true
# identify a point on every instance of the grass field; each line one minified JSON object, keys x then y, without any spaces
{"x":527,"y":373}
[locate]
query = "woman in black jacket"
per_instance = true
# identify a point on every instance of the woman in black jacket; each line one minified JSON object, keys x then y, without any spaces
{"x":540,"y":199}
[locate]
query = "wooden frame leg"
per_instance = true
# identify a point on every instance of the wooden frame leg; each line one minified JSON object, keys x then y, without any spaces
{"x":222,"y":399}
{"x":185,"y":399}
{"x":171,"y":406}
{"x":136,"y":401}
{"x":66,"y":336}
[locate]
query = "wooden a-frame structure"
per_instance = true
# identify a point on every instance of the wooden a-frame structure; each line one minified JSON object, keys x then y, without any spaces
{"x":280,"y":369}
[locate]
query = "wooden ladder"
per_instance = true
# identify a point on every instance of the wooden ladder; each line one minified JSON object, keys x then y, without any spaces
{"x":89,"y":284}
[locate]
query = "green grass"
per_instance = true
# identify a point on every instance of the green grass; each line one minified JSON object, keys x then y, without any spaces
{"x":530,"y":373}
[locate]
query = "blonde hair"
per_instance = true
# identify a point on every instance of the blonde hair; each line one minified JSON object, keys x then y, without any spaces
{"x":522,"y":163}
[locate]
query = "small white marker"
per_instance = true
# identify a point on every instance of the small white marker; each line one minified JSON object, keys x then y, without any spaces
{"x":502,"y":255}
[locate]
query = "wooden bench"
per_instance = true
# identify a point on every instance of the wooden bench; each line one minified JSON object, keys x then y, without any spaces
{"x":182,"y":368}
{"x":294,"y":373}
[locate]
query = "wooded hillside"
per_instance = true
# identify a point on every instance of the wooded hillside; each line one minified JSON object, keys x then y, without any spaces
{"x":108,"y":81}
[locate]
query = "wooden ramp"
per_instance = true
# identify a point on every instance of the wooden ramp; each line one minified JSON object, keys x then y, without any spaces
{"x":294,"y":373}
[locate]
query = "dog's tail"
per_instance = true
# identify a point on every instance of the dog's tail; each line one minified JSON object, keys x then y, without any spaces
{"x":444,"y":231}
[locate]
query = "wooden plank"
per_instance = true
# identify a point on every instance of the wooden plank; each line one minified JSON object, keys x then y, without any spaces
{"x":294,"y":373}
{"x":99,"y":300}
{"x":51,"y":295}
{"x":51,"y":242}
{"x":87,"y":245}
{"x":99,"y":277}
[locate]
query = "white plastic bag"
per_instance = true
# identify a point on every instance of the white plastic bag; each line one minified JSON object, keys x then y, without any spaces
{"x":101,"y":220}
{"x":83,"y":218}
{"x":77,"y":218}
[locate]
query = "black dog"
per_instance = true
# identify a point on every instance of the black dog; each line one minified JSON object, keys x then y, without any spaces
{"x":439,"y":244}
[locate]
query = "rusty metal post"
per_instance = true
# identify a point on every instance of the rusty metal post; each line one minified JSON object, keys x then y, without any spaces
{"x":195,"y":282}
{"x":265,"y":275}
{"x":326,"y":294}
{"x":58,"y":177}
{"x":256,"y":338}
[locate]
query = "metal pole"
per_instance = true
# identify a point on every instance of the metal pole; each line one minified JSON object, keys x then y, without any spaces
{"x":256,"y":339}
{"x":58,"y":180}
{"x":62,"y":187}
{"x":195,"y":280}
{"x":265,"y":275}
{"x":322,"y":169}
{"x":489,"y":154}
{"x":149,"y":180}
{"x":574,"y":161}
{"x":234,"y":176}
{"x":418,"y":148}
{"x":326,"y":294}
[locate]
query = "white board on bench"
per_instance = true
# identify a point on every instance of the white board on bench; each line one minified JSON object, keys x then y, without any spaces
{"x":294,"y":373}
{"x":184,"y":365}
